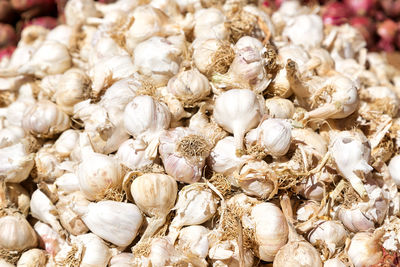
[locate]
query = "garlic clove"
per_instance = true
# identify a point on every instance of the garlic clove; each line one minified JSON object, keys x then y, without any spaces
{"x":15,"y":163}
{"x":66,"y":142}
{"x":32,"y":258}
{"x":132,"y":154}
{"x":67,"y":183}
{"x":16,"y":233}
{"x":193,"y":240}
{"x":113,"y":221}
{"x":49,"y":239}
{"x":331,"y":233}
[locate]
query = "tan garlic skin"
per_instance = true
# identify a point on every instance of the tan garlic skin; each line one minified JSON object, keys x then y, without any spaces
{"x":69,"y":220}
{"x":298,"y":253}
{"x":271,"y":232}
{"x":365,"y":249}
{"x":16,"y":233}
{"x":19,"y":197}
{"x":279,"y":108}
{"x":45,"y":119}
{"x":32,"y":258}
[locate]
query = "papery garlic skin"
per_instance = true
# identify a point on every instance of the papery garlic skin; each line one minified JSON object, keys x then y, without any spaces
{"x":76,"y":11}
{"x":365,"y":249}
{"x":122,"y":260}
{"x":189,"y":86}
{"x":66,"y":142}
{"x":394,"y":169}
{"x":132,"y":154}
{"x":51,"y":241}
{"x":279,"y":108}
{"x":183,"y":153}
{"x":32,"y":258}
{"x":332,"y":233}
{"x":271,"y":232}
{"x":69,"y":219}
{"x":16,"y":233}
{"x":16,"y":163}
{"x":67,"y":183}
{"x":351,"y":152}
{"x":45,"y":119}
{"x":113,"y":221}
{"x":226,"y":254}
{"x":306,"y":30}
{"x":43,"y":209}
{"x":204,"y":53}
{"x":335,"y":262}
{"x":157,"y":67}
{"x":210,"y":24}
{"x":237,"y":111}
{"x":193,"y":240}
{"x":48,"y":166}
{"x":10,"y":135}
{"x":96,"y":252}
{"x":18,"y":197}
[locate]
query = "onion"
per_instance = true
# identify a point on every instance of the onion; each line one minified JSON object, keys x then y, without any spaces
{"x":6,"y":52}
{"x":335,"y":13}
{"x":7,"y":14}
{"x":391,"y":7}
{"x":7,"y":35}
{"x":387,"y":32}
{"x":360,"y":7}
{"x":22,"y":5}
{"x":46,"y":22}
{"x":366,"y":26}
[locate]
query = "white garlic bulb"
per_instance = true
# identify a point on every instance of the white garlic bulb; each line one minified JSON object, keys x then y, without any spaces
{"x":16,"y":163}
{"x":122,"y":260}
{"x":48,"y":165}
{"x":157,"y":67}
{"x":237,"y":111}
{"x":45,"y":119}
{"x":66,"y":142}
{"x":132,"y":154}
{"x":72,"y":88}
{"x":51,"y":241}
{"x":50,"y":58}
{"x":10,"y":135}
{"x":227,"y":254}
{"x":62,"y":34}
{"x":43,"y":209}
{"x":279,"y":108}
{"x":18,"y":197}
{"x":332,"y":233}
{"x":351,"y":152}
{"x":335,"y":262}
{"x":193,"y":240}
{"x":205,"y":52}
{"x":97,"y":172}
{"x":305,"y":30}
{"x":210,"y":24}
{"x":394,"y":169}
{"x":32,"y":258}
{"x":113,"y":221}
{"x":16,"y":233}
{"x":365,"y":249}
{"x":183,"y":153}
{"x":271,"y":232}
{"x":67,"y":183}
{"x":155,"y":195}
{"x":69,"y":219}
{"x":189,"y":86}
{"x":306,"y":210}
{"x":76,"y":11}
{"x":195,"y":205}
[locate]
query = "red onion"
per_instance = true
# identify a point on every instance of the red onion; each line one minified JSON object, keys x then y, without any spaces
{"x":335,"y":13}
{"x":7,"y":35}
{"x":22,"y":5}
{"x":360,"y":7}
{"x":391,"y":7}
{"x":387,"y":32}
{"x":46,"y":22}
{"x":7,"y":13}
{"x":6,"y":52}
{"x":366,"y":26}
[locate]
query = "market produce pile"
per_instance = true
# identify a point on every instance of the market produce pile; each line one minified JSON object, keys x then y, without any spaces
{"x":198,"y":133}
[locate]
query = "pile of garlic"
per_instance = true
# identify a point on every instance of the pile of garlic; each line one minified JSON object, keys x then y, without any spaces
{"x":197,"y":133}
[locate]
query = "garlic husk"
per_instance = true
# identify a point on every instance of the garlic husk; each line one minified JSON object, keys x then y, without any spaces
{"x":155,"y":195}
{"x":331,"y":233}
{"x":195,"y":205}
{"x":48,"y":166}
{"x":247,"y":68}
{"x":306,"y":210}
{"x":237,"y":111}
{"x":66,"y":142}
{"x":227,"y":253}
{"x":32,"y":258}
{"x":97,"y":172}
{"x":67,"y":183}
{"x":394,"y":169}
{"x":49,"y":239}
{"x":314,"y":142}
{"x":16,"y":163}
{"x":365,"y":249}
{"x":19,"y":197}
{"x":335,"y":262}
{"x":122,"y":260}
{"x":50,"y":58}
{"x":69,"y":219}
{"x":351,"y":152}
{"x":132,"y":154}
{"x":113,"y":221}
{"x":15,"y":111}
{"x":279,"y":108}
{"x":16,"y":233}
{"x":109,"y":69}
{"x":183,"y":153}
{"x":45,"y":119}
{"x":43,"y":209}
{"x":271,"y":232}
{"x":10,"y":135}
{"x":193,"y":240}
{"x":72,"y":88}
{"x":163,"y":253}
{"x":210,"y":24}
{"x":256,"y":179}
{"x":189,"y":86}
{"x":305,"y":30}
{"x":297,"y":251}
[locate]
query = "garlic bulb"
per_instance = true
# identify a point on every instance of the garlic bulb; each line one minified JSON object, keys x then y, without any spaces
{"x":45,"y":119}
{"x":335,"y":262}
{"x":62,"y":34}
{"x":15,"y":163}
{"x":227,"y":254}
{"x":146,"y":118}
{"x":43,"y":209}
{"x":183,"y":153}
{"x":16,"y":233}
{"x":76,"y":11}
{"x":122,"y":260}
{"x":275,"y":136}
{"x":132,"y":154}
{"x":157,"y":67}
{"x":331,"y":233}
{"x":32,"y":258}
{"x":237,"y":111}
{"x":113,"y":221}
{"x":67,"y":183}
{"x":10,"y":135}
{"x":47,"y":165}
{"x":193,"y":240}
{"x":210,"y":24}
{"x":50,"y":240}
{"x":18,"y":197}
{"x":279,"y":108}
{"x":255,"y":179}
{"x":68,"y":218}
{"x":155,"y":195}
{"x":66,"y":142}
{"x":271,"y":232}
{"x":97,"y":173}
{"x":351,"y":152}
{"x":195,"y":205}
{"x":306,"y":210}
{"x":72,"y":88}
{"x":305,"y":30}
{"x":394,"y":169}
{"x":189,"y":86}
{"x":50,"y":58}
{"x":365,"y":249}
